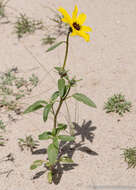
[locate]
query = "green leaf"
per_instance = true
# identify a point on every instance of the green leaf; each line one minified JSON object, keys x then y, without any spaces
{"x":66,"y":159}
{"x":33,"y":166}
{"x":66,"y":89}
{"x":49,"y":176}
{"x":45,"y":136}
{"x":61,"y":87}
{"x":66,"y":138}
{"x":46,"y":111}
{"x":83,"y":98}
{"x":54,"y":46}
{"x":36,"y":163}
{"x":37,"y":105}
{"x":58,"y":69}
{"x":60,"y":127}
{"x":56,"y":142}
{"x":55,"y":96}
{"x":52,"y":154}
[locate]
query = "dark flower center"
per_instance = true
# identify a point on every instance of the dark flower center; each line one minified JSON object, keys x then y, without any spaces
{"x":76,"y":26}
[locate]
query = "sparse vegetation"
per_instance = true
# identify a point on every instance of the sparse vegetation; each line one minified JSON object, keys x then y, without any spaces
{"x":130,"y":157}
{"x":59,"y":28}
{"x":28,"y":143}
{"x":2,"y":125}
{"x":34,"y":80}
{"x":48,"y":40}
{"x":25,"y":25}
{"x":117,"y":104}
{"x":1,"y":141}
{"x":2,"y":8}
{"x":13,"y":88}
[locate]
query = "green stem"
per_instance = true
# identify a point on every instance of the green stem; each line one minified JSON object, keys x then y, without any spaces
{"x":66,"y":52}
{"x":56,"y":114}
{"x":63,"y":98}
{"x":59,"y":106}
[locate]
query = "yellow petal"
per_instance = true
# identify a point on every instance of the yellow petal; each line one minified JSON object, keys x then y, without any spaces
{"x":67,"y":17}
{"x":73,"y":34}
{"x":84,"y":35}
{"x":66,"y":21}
{"x":74,"y":14}
{"x":81,"y":19}
{"x":86,"y":29}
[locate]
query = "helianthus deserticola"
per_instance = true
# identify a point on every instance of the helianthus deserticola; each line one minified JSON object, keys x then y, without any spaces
{"x":76,"y":23}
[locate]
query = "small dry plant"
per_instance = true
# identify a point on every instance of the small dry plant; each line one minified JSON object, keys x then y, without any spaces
{"x":3,"y":4}
{"x":2,"y":141}
{"x":28,"y":143}
{"x":58,"y":29}
{"x":2,"y":129}
{"x":130,"y":157}
{"x":117,"y":104}
{"x":2,"y":125}
{"x":13,"y":88}
{"x":25,"y":25}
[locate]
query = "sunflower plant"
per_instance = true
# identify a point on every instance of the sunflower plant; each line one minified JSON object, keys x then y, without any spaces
{"x":57,"y":99}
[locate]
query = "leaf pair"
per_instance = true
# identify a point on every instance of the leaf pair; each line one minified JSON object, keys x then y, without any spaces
{"x":38,"y":105}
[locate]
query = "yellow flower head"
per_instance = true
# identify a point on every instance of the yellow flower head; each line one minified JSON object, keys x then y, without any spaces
{"x":76,"y":23}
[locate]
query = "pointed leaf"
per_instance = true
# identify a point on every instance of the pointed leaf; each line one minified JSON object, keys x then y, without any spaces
{"x":54,"y":46}
{"x":61,"y":87}
{"x":56,"y":142}
{"x":33,"y":166}
{"x":36,"y":163}
{"x":58,"y":69}
{"x":46,"y":111}
{"x":37,"y":105}
{"x":66,"y":138}
{"x":60,"y":127}
{"x":83,"y":98}
{"x":55,"y":96}
{"x":45,"y":136}
{"x":52,"y":154}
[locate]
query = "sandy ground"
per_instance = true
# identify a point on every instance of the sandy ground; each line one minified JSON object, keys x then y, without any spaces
{"x":107,"y":65}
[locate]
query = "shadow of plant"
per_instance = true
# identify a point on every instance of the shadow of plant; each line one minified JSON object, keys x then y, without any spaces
{"x":40,"y":151}
{"x":85,"y":131}
{"x":69,"y":148}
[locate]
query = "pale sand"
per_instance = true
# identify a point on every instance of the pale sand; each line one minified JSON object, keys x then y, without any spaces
{"x":107,"y":65}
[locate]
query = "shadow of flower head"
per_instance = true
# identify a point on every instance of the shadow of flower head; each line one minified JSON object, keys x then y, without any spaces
{"x":85,"y":130}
